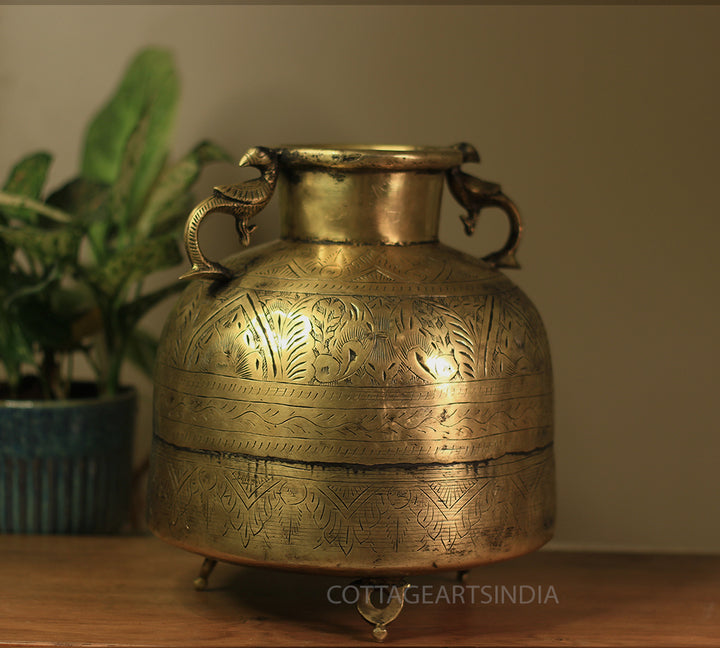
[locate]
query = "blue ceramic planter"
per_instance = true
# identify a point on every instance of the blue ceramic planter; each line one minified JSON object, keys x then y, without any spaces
{"x":65,"y":466}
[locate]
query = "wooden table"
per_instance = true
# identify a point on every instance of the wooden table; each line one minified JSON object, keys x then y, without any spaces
{"x":137,"y":591}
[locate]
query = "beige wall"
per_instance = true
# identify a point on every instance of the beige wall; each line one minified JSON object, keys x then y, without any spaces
{"x":601,"y":123}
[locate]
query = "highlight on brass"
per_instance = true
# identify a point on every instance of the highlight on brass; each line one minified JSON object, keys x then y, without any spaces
{"x":355,"y":398}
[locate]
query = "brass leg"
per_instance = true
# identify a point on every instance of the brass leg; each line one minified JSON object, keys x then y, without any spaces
{"x":200,"y":582}
{"x":462,"y":575}
{"x":392,"y":590}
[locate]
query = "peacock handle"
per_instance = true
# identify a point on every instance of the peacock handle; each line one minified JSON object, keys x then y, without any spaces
{"x":475,"y":195}
{"x":202,"y":267}
{"x":242,"y":201}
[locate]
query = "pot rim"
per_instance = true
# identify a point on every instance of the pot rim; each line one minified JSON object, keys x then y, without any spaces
{"x":392,"y":157}
{"x":126,"y":393}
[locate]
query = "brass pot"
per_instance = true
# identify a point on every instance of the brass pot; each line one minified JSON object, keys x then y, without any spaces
{"x":355,"y":398}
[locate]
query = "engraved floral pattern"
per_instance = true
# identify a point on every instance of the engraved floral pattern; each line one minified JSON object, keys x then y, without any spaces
{"x":358,"y":341}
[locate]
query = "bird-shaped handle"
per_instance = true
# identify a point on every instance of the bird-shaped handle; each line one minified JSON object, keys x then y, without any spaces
{"x":242,"y":201}
{"x":474,"y":195}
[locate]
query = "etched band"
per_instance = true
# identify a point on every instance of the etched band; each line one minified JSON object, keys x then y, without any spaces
{"x":318,"y":517}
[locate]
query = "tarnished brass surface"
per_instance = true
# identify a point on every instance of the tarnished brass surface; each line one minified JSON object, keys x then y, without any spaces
{"x":356,"y":398}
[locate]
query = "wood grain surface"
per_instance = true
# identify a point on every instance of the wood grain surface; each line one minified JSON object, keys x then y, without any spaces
{"x":136,"y":591}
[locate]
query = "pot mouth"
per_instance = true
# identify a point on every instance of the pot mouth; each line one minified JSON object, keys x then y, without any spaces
{"x":391,"y":157}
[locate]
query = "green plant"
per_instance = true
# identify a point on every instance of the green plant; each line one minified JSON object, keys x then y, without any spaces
{"x":73,"y":262}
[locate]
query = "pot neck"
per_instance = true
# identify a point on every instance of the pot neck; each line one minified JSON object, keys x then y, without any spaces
{"x":363,"y":195}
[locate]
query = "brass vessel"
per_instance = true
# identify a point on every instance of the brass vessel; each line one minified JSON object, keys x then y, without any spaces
{"x":355,"y":398}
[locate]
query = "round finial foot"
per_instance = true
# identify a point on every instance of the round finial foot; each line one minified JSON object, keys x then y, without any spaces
{"x":379,"y":633}
{"x":201,"y":582}
{"x":380,"y":617}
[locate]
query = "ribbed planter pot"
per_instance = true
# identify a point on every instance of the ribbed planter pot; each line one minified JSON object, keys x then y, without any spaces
{"x":65,"y":466}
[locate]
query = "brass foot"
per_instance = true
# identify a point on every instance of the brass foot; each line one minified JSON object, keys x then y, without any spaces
{"x":462,"y":575}
{"x":391,"y":590}
{"x":200,"y":582}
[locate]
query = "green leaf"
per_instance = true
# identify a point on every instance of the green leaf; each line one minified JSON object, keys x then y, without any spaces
{"x":51,"y":317}
{"x":121,"y":192}
{"x":132,"y":312}
{"x":89,"y":203}
{"x":14,"y":341}
{"x":167,"y":205}
{"x":50,"y":330}
{"x":174,"y":216}
{"x":82,"y":198}
{"x":16,"y":347}
{"x":19,"y":202}
{"x":27,"y":178}
{"x":19,"y":285}
{"x":133,"y":264}
{"x":50,"y":247}
{"x":150,"y":90}
{"x":141,"y":351}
